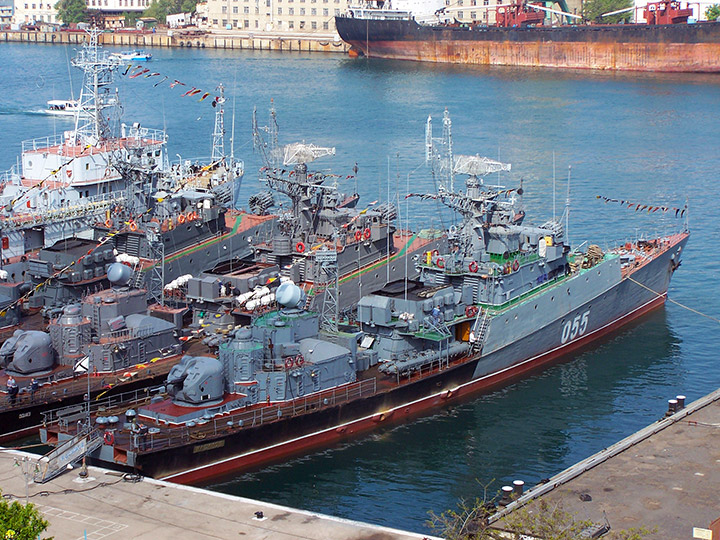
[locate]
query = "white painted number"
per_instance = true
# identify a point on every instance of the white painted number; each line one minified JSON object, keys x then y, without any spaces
{"x":576,"y":327}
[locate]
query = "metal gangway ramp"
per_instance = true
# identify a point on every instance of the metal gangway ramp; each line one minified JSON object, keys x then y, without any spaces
{"x":69,"y":452}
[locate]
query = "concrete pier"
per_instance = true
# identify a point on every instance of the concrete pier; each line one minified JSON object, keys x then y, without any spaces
{"x":224,"y":40}
{"x":664,"y":477}
{"x":110,"y":505}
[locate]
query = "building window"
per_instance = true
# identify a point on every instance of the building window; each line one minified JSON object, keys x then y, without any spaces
{"x":246,"y":23}
{"x":224,"y":9}
{"x":326,"y":26}
{"x":291,"y":25}
{"x":313,"y":11}
{"x":215,"y":22}
{"x":326,"y":12}
{"x":302,"y":24}
{"x":473,"y":15}
{"x":291,"y":11}
{"x":313,"y":25}
{"x":235,"y":9}
{"x":460,"y":14}
{"x":337,"y":12}
{"x":257,"y":10}
{"x":246,"y":10}
{"x":224,"y":23}
{"x":279,"y":11}
{"x":302,"y":11}
{"x":235,"y":23}
{"x":256,"y":23}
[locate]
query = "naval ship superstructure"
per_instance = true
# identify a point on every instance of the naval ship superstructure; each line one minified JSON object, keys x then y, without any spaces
{"x":502,"y":299}
{"x":69,"y":182}
{"x":106,"y":342}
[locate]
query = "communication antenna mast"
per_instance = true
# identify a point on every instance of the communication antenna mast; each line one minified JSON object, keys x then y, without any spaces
{"x":91,"y":126}
{"x":218,"y":149}
{"x":269,"y":148}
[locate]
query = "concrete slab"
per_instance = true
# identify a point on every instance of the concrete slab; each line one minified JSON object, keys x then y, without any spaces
{"x":665,"y":477}
{"x":107,"y":505}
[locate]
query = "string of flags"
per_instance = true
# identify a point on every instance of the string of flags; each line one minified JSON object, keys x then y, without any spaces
{"x":67,"y":267}
{"x":141,"y":71}
{"x":651,"y":209}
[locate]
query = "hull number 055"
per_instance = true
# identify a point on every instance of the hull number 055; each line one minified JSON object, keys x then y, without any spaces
{"x":576,"y":327}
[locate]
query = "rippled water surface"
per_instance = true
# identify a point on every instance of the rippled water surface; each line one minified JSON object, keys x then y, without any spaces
{"x":652,"y":139}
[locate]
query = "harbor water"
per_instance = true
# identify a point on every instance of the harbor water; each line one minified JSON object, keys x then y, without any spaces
{"x":647,"y":139}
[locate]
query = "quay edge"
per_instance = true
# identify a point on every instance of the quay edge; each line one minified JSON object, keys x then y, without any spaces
{"x":231,"y":41}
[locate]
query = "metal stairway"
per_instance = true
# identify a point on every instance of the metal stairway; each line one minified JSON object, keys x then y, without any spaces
{"x":479,"y":330}
{"x":67,"y":453}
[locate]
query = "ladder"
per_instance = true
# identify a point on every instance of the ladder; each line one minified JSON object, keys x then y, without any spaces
{"x":439,"y":327}
{"x":69,"y":452}
{"x":479,"y":330}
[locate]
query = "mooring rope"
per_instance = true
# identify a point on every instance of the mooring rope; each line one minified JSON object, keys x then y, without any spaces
{"x":675,"y":301}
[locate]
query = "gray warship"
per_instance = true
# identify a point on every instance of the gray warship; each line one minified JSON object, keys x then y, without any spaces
{"x":107,"y":341}
{"x":503,"y":299}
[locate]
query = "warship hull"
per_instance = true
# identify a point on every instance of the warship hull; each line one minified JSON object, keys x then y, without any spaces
{"x":532,"y":338}
{"x":630,"y":47}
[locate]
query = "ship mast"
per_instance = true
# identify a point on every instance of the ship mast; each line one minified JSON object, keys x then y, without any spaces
{"x":91,"y":126}
{"x":218,"y":149}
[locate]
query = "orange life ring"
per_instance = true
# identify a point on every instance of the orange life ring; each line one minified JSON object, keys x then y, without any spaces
{"x":109,"y":223}
{"x":471,"y":311}
{"x":473,"y":267}
{"x":440,"y":262}
{"x":193,"y":215}
{"x":366,"y":234}
{"x":300,"y":247}
{"x":288,"y":362}
{"x":181,"y":218}
{"x":299,"y":360}
{"x":109,"y":438}
{"x":132,"y":225}
{"x":515,"y":265}
{"x":358,"y":235}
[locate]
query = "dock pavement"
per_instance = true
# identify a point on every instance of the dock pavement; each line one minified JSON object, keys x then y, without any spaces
{"x":109,"y":505}
{"x":665,"y":478}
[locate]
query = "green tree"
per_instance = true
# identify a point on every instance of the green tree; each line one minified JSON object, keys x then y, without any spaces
{"x":593,"y":9}
{"x":540,"y":520}
{"x":72,"y":11}
{"x":21,"y":521}
{"x":160,"y":9}
{"x":713,"y":12}
{"x":131,"y":18}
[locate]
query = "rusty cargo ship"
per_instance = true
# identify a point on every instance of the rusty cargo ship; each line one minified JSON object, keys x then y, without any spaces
{"x":668,"y":42}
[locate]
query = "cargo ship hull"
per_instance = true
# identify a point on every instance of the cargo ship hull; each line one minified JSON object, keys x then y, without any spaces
{"x":610,"y":295}
{"x":631,"y":47}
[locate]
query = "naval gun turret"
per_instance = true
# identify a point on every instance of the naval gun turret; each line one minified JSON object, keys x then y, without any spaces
{"x":281,"y":356}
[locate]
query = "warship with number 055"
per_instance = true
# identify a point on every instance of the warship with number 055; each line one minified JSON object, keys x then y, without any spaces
{"x":505,"y":298}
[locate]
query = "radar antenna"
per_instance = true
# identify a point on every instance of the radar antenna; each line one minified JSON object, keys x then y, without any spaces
{"x":300,"y":152}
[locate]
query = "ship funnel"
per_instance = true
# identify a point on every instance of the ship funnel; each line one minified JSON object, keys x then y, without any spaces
{"x":289,"y":295}
{"x":119,"y":274}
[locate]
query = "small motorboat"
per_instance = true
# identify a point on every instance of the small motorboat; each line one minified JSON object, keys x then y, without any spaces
{"x":63,"y":107}
{"x":133,"y":56}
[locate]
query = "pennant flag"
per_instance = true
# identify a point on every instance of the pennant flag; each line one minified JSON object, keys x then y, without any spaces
{"x":175,"y":83}
{"x":206,"y":94}
{"x":194,"y":92}
{"x":127,"y":69}
{"x":188,"y":92}
{"x":159,"y":83}
{"x":143,"y":72}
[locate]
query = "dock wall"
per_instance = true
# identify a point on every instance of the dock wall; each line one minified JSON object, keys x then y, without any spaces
{"x":162,"y":39}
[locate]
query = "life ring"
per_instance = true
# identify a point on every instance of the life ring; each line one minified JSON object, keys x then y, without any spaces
{"x":300,"y":247}
{"x":108,"y":172}
{"x":117,"y":210}
{"x":452,"y":230}
{"x":358,"y":235}
{"x":471,"y":311}
{"x":440,"y":262}
{"x":23,"y":258}
{"x":132,"y":225}
{"x":507,"y":268}
{"x":181,"y":218}
{"x":366,"y":234}
{"x":193,"y":216}
{"x":299,"y":360}
{"x":473,"y":267}
{"x":109,"y":223}
{"x":109,"y":438}
{"x":289,"y":362}
{"x":515,"y":265}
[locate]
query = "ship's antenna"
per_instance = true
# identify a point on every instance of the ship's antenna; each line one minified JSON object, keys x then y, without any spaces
{"x":67,"y":56}
{"x":553,"y":185}
{"x":567,"y":207}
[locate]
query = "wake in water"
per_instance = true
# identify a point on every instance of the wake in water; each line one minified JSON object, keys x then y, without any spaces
{"x":33,"y":112}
